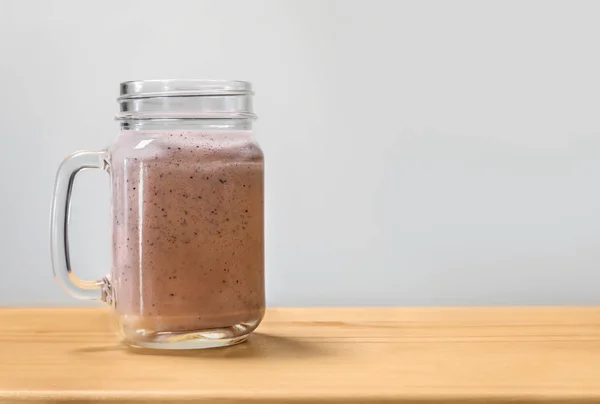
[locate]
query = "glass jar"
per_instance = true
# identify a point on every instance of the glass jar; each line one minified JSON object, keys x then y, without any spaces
{"x":187,"y":215}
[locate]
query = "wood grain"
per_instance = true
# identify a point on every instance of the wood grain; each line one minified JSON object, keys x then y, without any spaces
{"x":378,"y":355}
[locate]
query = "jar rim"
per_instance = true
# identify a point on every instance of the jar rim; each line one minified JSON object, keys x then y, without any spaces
{"x":136,"y":89}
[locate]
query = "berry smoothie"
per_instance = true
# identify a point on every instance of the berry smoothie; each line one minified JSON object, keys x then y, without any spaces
{"x":188,"y":247}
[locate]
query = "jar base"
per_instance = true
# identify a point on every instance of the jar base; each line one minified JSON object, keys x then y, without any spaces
{"x":193,"y":339}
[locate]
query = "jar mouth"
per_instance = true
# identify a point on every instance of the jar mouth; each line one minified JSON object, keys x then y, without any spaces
{"x":185,"y":99}
{"x":136,"y":89}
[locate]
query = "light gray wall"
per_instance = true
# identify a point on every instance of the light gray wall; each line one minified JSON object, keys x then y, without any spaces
{"x":418,"y":152}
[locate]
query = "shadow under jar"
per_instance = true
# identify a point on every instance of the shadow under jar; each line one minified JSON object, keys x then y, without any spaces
{"x":187,"y":210}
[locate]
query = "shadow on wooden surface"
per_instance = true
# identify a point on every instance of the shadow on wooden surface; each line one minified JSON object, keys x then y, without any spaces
{"x":259,"y":346}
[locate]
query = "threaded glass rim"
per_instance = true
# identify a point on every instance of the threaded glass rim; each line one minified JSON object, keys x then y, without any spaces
{"x":185,"y":99}
{"x":182,"y":88}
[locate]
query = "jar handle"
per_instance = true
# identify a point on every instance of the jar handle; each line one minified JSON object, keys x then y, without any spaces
{"x":59,"y":226}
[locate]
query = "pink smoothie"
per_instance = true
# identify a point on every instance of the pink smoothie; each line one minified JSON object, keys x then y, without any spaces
{"x":188,"y":234}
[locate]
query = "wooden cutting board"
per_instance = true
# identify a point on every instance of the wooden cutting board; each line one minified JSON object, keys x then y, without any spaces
{"x":313,"y":355}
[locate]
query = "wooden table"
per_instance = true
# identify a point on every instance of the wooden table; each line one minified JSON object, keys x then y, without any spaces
{"x":333,"y":355}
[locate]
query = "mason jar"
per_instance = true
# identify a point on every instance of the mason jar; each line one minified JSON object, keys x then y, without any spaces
{"x":187,"y":199}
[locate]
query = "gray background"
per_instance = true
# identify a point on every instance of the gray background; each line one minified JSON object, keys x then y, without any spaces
{"x":418,"y":152}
